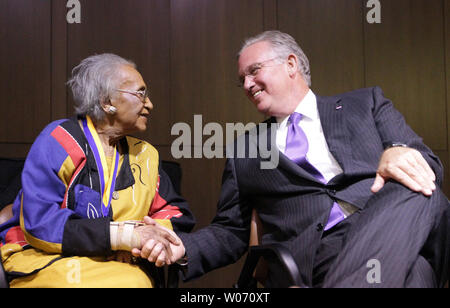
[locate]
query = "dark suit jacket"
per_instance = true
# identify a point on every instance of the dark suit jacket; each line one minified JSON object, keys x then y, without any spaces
{"x":292,"y":205}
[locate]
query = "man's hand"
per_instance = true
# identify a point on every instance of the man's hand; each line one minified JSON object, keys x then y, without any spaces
{"x":155,"y":237}
{"x":158,"y":250}
{"x":153,"y":252}
{"x":406,"y":166}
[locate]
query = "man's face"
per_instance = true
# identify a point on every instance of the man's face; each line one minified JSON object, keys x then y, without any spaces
{"x":264,"y":78}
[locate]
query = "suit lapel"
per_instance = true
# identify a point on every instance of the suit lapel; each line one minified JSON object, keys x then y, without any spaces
{"x":332,"y":113}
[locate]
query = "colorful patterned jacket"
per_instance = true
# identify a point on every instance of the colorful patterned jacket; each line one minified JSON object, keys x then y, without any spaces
{"x":58,"y":209}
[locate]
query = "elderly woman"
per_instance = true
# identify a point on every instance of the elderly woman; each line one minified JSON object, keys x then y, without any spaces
{"x":87,"y":183}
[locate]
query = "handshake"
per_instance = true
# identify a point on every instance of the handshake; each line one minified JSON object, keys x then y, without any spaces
{"x":147,"y":240}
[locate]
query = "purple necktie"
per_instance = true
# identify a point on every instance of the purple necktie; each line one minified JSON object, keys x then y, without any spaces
{"x":296,"y":149}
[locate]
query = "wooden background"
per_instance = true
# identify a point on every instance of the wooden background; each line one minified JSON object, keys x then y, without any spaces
{"x":185,"y":49}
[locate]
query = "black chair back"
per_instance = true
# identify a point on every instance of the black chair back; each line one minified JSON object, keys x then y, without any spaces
{"x":10,"y":184}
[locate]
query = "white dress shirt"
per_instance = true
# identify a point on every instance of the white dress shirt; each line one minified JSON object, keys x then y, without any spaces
{"x":318,"y":153}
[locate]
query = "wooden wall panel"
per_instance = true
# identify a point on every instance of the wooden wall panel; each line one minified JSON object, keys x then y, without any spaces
{"x":136,"y":30}
{"x":446,"y":155}
{"x":205,"y":38}
{"x":59,"y":61}
{"x":270,"y":14}
{"x":405,"y":56}
{"x":14,"y":150}
{"x":185,"y":50}
{"x":25,"y":69}
{"x":331,"y":35}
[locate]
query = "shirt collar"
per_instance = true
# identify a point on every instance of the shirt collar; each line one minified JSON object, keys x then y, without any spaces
{"x":307,"y":107}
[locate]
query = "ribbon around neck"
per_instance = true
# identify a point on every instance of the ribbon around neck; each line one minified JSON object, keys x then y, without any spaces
{"x":107,"y":177}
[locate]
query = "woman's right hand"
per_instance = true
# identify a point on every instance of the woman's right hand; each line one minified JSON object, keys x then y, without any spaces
{"x":156,"y":243}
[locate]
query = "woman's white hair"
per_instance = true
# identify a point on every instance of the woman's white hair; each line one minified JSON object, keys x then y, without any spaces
{"x":93,"y":82}
{"x":283,"y":45}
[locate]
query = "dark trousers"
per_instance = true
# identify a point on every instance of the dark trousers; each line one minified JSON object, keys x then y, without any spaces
{"x":400,"y":239}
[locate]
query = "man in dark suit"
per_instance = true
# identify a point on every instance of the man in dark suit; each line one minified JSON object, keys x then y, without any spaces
{"x":354,"y":186}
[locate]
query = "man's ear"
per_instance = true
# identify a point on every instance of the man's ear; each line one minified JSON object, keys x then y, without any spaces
{"x":292,"y":65}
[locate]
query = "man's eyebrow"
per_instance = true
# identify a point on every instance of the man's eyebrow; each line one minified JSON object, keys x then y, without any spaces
{"x":247,"y":68}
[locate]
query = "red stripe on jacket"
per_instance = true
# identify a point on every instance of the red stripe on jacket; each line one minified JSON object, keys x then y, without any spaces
{"x":75,"y":152}
{"x":160,"y":209}
{"x":15,"y":236}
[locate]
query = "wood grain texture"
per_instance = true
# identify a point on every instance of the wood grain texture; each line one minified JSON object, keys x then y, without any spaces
{"x":25,"y":69}
{"x":405,"y":56}
{"x":185,"y":50}
{"x":445,"y":156}
{"x":58,"y":60}
{"x":331,"y":34}
{"x":206,"y":36}
{"x":136,"y":30}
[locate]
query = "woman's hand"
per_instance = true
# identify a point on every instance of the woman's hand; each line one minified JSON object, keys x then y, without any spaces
{"x":122,"y":256}
{"x":159,"y":244}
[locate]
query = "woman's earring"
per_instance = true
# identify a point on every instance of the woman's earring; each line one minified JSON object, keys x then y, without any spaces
{"x":112,"y":110}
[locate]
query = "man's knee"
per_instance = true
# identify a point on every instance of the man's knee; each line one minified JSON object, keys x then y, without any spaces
{"x":394,"y":193}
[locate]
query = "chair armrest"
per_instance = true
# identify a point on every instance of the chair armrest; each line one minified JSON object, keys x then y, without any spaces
{"x":163,"y":277}
{"x":173,"y":275}
{"x":6,"y":213}
{"x":271,"y":253}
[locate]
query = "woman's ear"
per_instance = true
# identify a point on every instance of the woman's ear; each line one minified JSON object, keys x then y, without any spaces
{"x":108,"y":107}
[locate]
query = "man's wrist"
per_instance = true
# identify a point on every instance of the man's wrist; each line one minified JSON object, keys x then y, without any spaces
{"x":183,"y":261}
{"x":389,"y":145}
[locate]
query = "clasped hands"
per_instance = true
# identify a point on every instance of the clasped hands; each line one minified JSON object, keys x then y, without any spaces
{"x":158,"y":244}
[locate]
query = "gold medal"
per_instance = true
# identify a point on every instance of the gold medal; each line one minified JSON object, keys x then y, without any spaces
{"x":115,"y":195}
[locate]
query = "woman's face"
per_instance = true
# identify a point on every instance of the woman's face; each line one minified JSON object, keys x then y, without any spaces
{"x":132,"y":108}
